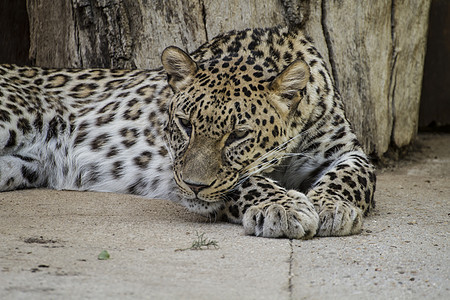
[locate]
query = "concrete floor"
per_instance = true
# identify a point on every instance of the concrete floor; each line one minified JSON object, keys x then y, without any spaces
{"x":50,"y":240}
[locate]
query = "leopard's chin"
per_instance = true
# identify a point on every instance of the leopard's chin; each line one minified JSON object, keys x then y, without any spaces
{"x":199,"y":206}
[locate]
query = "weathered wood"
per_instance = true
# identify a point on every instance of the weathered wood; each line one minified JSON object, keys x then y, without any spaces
{"x":222,"y":16}
{"x":358,"y":36}
{"x":410,"y":25}
{"x":374,"y":49}
{"x":52,"y":34}
{"x":158,"y":24}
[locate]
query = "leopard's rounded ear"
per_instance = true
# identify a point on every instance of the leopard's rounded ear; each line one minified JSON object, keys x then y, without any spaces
{"x":288,"y":83}
{"x":180,"y":68}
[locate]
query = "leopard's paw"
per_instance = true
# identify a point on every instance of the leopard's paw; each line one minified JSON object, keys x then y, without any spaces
{"x":293,"y":217}
{"x":339,"y":218}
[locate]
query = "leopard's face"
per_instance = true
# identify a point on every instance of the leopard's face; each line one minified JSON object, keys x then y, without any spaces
{"x":216,"y":139}
{"x":226,"y":123}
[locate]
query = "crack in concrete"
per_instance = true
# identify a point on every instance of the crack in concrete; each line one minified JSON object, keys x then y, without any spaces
{"x":327,"y":37}
{"x":290,"y":274}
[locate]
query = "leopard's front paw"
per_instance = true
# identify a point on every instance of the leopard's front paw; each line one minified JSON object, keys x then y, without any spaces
{"x":293,"y":217}
{"x":340,"y":218}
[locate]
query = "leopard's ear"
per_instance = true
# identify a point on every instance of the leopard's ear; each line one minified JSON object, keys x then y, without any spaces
{"x":180,"y":68}
{"x":287,"y":84}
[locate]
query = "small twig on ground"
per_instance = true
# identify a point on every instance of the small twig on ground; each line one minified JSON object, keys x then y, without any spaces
{"x":201,"y":243}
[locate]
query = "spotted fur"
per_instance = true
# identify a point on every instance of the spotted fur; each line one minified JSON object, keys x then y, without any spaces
{"x":248,"y":128}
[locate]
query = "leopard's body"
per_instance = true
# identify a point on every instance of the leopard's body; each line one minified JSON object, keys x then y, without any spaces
{"x":97,"y":130}
{"x":249,"y":128}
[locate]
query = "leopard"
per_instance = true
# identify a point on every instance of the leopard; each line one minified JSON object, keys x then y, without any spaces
{"x":249,"y":128}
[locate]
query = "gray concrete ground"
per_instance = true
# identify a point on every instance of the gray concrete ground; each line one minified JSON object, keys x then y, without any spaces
{"x":50,"y":240}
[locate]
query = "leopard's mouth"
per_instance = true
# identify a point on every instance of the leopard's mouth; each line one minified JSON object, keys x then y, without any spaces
{"x":208,"y":194}
{"x":211,"y":193}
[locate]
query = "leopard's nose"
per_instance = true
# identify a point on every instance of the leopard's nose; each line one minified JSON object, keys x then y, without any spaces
{"x":195,"y":187}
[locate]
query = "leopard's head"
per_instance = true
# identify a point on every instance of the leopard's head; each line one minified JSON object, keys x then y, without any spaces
{"x":229,"y":119}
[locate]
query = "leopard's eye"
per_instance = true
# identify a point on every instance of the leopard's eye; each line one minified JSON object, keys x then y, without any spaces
{"x":186,"y":125}
{"x":238,"y":134}
{"x":185,"y":122}
{"x":241,"y":133}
